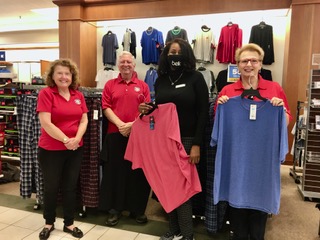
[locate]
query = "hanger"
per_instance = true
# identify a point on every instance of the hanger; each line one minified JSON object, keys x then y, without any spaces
{"x":205,"y":28}
{"x":254,"y":93}
{"x":108,"y":67}
{"x":262,"y":24}
{"x":229,"y":23}
{"x":154,"y":107}
{"x":109,"y":32}
{"x":201,"y":67}
{"x":149,"y":29}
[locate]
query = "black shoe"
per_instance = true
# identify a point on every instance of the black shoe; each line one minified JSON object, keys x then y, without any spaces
{"x":113,"y":219}
{"x":45,"y":233}
{"x":75,"y":232}
{"x":141,"y":219}
{"x":188,"y":238}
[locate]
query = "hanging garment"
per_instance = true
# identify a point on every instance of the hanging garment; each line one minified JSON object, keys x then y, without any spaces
{"x":89,"y":172}
{"x":176,"y":32}
{"x":150,"y":79}
{"x":204,"y":45}
{"x":249,"y":154}
{"x":152,"y":45}
{"x":209,"y":78}
{"x":104,"y":75}
{"x":262,"y":34}
{"x":110,"y":46}
{"x":126,"y":40}
{"x":215,"y":214}
{"x":266,"y":74}
{"x":230,"y":39}
{"x":129,"y":42}
{"x":159,"y":152}
{"x":31,"y":179}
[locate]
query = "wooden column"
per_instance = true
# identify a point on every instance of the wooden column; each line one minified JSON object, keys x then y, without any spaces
{"x":78,"y":41}
{"x":303,"y":40}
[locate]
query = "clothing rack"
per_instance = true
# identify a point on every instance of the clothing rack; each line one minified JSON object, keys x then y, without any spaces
{"x":91,"y":92}
{"x":26,"y":109}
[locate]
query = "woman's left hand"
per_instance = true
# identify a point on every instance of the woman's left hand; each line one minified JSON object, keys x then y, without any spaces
{"x":144,"y":108}
{"x":72,"y":144}
{"x":277,"y":101}
{"x":194,"y":154}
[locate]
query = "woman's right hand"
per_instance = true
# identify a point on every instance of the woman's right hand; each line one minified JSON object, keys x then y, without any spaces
{"x":144,"y":108}
{"x":223,"y":99}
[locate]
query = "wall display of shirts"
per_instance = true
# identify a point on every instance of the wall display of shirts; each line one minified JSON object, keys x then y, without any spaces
{"x":152,"y":45}
{"x":176,"y":32}
{"x":110,"y":46}
{"x":230,"y":39}
{"x":262,"y":34}
{"x":204,"y":45}
{"x":129,"y":42}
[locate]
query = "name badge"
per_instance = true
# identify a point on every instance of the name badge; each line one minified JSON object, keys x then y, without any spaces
{"x":180,"y":85}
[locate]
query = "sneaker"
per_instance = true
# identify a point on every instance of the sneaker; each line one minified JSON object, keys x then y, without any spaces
{"x":171,"y":236}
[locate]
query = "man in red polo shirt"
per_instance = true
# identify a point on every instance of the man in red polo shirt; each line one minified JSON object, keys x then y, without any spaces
{"x":122,"y":188}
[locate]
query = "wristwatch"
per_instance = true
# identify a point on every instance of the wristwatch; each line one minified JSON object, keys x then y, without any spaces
{"x":65,"y":139}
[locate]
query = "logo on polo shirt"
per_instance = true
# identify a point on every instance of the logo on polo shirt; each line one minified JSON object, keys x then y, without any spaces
{"x":137,"y":89}
{"x":77,"y":101}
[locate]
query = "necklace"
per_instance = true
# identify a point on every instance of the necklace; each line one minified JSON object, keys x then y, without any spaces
{"x":173,"y":82}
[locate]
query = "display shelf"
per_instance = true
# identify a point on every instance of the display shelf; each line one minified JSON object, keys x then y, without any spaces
{"x":8,"y":117}
{"x":310,"y":185}
{"x":299,"y":144}
{"x":6,"y":157}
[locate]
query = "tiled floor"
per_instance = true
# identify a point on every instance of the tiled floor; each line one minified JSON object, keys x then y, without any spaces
{"x":17,"y":225}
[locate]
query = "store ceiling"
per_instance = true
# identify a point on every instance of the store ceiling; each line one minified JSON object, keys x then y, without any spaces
{"x":16,"y":15}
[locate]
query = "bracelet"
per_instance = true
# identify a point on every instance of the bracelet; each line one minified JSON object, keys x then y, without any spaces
{"x":65,"y":140}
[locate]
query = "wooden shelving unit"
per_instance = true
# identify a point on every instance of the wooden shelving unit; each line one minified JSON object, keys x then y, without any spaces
{"x":310,"y":185}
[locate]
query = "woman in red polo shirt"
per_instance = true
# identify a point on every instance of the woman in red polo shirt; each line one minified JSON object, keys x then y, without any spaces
{"x":63,"y":117}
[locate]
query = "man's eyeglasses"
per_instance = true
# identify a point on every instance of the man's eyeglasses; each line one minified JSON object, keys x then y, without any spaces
{"x":253,"y":61}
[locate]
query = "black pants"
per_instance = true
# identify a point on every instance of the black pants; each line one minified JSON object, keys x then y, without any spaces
{"x":121,"y":187}
{"x":60,"y":171}
{"x":247,"y":223}
{"x":180,"y":220}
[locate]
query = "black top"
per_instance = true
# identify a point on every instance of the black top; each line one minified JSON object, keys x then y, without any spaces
{"x":262,"y":35}
{"x":190,"y":95}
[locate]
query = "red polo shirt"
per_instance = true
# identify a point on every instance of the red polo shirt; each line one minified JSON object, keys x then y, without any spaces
{"x":267,"y":89}
{"x":65,"y":115}
{"x":124,"y":98}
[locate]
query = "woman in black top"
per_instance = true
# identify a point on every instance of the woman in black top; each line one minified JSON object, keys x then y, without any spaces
{"x":181,"y":84}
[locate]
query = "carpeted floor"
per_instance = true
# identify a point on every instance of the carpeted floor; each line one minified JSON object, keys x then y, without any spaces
{"x":298,"y":219}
